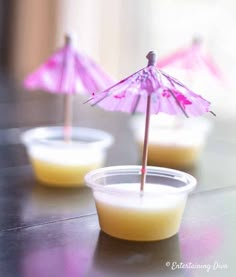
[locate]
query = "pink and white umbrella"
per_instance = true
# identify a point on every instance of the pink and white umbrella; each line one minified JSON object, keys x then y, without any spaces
{"x":68,"y":72}
{"x":192,"y":60}
{"x":151,"y":91}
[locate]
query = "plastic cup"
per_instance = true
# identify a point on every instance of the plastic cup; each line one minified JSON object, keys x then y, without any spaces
{"x":60,"y":163}
{"x":126,"y":213}
{"x":173,"y":142}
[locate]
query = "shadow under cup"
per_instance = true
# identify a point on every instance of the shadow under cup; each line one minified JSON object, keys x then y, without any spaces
{"x":135,"y":258}
{"x":61,"y":163}
{"x":126,"y":213}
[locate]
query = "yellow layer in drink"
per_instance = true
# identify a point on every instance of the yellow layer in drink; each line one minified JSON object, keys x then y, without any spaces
{"x":64,"y":167}
{"x":175,"y":156}
{"x":53,"y":174}
{"x":140,"y":218}
{"x":174,"y":143}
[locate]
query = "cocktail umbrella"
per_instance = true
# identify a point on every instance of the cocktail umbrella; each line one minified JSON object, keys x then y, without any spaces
{"x":194,"y":66}
{"x":150,"y":91}
{"x":68,"y":72}
{"x":192,"y":60}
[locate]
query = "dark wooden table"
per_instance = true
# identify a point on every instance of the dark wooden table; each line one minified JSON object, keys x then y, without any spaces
{"x":54,"y":232}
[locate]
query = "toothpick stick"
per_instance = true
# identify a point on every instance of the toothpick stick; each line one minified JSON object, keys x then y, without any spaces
{"x":151,"y":56}
{"x":68,"y":114}
{"x":68,"y":107}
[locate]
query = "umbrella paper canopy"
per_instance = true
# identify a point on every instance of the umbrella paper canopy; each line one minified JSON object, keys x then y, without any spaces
{"x":168,"y":95}
{"x":151,"y":91}
{"x":68,"y":71}
{"x":192,"y":59}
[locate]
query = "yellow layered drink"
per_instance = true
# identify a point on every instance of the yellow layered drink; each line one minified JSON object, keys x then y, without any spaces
{"x":175,"y":143}
{"x":65,"y":165}
{"x":61,"y":163}
{"x":142,"y":217}
{"x":174,"y":154}
{"x":127,"y":213}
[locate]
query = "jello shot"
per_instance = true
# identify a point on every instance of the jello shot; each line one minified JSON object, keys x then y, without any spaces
{"x":173,"y":142}
{"x":127,"y":213}
{"x":61,"y":163}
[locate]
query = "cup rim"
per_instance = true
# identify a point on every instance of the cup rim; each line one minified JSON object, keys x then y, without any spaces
{"x":102,"y":139}
{"x":168,"y":172}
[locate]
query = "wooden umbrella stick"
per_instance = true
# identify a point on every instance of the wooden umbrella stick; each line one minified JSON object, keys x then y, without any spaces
{"x":68,"y":104}
{"x":145,"y":144}
{"x":68,"y":113}
{"x":151,"y":56}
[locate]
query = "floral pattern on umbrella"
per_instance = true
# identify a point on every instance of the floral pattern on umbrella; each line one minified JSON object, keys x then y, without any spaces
{"x":192,"y":60}
{"x":68,"y":72}
{"x":168,"y":95}
{"x":151,"y":91}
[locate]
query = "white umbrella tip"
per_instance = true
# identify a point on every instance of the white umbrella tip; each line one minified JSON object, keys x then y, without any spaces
{"x":152,"y":58}
{"x":70,"y":38}
{"x":197,"y":40}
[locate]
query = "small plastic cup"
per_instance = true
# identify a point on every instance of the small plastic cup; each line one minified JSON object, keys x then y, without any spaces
{"x":173,"y":142}
{"x":61,"y":163}
{"x":126,"y":213}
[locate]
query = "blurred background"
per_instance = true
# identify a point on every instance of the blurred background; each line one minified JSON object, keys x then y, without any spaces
{"x":118,"y":34}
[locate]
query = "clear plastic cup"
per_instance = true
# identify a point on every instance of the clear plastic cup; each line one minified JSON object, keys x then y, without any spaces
{"x":60,"y":163}
{"x":126,"y":213}
{"x":173,"y":142}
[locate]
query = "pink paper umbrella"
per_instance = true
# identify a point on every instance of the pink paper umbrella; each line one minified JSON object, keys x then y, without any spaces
{"x":68,"y":72}
{"x":192,"y":59}
{"x":151,"y":91}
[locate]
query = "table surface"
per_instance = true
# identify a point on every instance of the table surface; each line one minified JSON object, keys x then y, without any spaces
{"x":55,"y":232}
